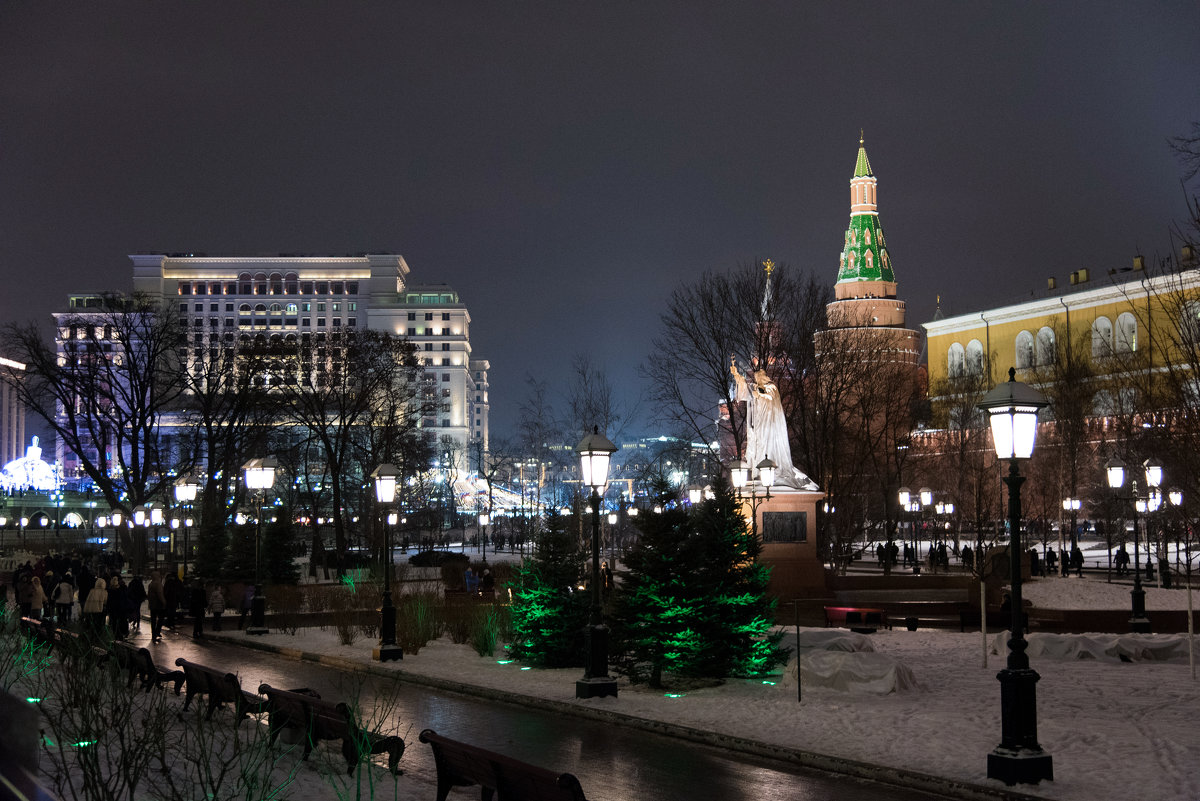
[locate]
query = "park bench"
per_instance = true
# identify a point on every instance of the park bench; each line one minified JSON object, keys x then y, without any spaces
{"x":462,"y":765}
{"x":858,"y":619}
{"x":139,"y":664}
{"x":66,"y":644}
{"x":221,"y":688}
{"x":315,"y":719}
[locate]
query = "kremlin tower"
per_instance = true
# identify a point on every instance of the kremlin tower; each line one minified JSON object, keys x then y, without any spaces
{"x":865,"y":294}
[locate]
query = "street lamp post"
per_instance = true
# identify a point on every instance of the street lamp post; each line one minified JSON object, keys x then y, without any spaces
{"x":595,"y":451}
{"x":260,"y":477}
{"x":386,"y":477}
{"x":1117,"y":473}
{"x":1012,"y":409}
{"x":739,"y":476}
{"x":484,"y":519}
{"x":186,"y":488}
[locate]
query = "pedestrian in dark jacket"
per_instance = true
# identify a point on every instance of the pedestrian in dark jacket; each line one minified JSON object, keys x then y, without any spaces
{"x":156,"y":599}
{"x":118,"y":608}
{"x":174,"y":592}
{"x":137,"y":596}
{"x":196,"y":605}
{"x":216,"y":605}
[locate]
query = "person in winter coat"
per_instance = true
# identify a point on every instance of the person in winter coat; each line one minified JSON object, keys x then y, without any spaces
{"x":25,"y":593}
{"x":174,"y":591}
{"x":247,"y":602}
{"x":37,"y":598}
{"x":64,"y":599}
{"x":157,"y":601}
{"x":216,"y":605}
{"x":137,"y":596}
{"x":94,"y":606}
{"x":196,"y":609}
{"x":118,"y":607}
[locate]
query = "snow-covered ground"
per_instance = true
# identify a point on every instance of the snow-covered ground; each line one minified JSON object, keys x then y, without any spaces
{"x":1115,"y":729}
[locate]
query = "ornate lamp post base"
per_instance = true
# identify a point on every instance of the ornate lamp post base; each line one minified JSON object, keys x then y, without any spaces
{"x":596,"y":683}
{"x":1139,"y":623}
{"x":386,"y":653}
{"x":1019,"y":758}
{"x":387,"y":650}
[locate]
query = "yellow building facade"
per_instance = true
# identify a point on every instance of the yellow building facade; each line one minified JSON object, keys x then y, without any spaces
{"x":1129,"y":320}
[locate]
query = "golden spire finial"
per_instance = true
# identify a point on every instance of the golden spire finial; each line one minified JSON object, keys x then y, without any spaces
{"x":769,"y":266}
{"x":860,"y":137}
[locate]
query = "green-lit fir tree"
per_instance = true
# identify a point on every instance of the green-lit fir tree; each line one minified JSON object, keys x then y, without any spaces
{"x":549,"y":612}
{"x":692,"y":599}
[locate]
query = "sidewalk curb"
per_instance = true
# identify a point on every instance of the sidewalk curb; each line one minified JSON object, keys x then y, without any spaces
{"x":883,"y":774}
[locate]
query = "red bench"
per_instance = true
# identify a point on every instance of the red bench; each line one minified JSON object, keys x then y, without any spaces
{"x":864,"y":620}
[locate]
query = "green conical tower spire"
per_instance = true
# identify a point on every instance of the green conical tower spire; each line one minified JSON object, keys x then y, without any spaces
{"x":864,"y":255}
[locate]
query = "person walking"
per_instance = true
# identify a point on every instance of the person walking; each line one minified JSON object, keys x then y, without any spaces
{"x":94,"y":606}
{"x":174,"y":592}
{"x":37,"y":598}
{"x":246,"y":602}
{"x":196,"y":602}
{"x":137,"y":597}
{"x":118,"y":607}
{"x":156,"y":599}
{"x":64,"y":599}
{"x":216,"y":605}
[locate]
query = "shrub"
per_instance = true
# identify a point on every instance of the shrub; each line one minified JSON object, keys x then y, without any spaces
{"x":487,"y":626}
{"x":417,"y":621}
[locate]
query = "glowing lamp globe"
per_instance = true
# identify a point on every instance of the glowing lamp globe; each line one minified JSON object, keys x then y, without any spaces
{"x":1012,"y":409}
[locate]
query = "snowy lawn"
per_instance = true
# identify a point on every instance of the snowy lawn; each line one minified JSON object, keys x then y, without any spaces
{"x":1114,"y":729}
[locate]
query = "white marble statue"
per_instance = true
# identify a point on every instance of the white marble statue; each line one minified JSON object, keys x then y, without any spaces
{"x":766,"y":428}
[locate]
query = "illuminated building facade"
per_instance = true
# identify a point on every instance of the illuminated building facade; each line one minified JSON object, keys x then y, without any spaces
{"x":311,"y":304}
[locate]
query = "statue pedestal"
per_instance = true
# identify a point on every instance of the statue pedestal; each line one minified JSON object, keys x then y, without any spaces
{"x":787,"y":529}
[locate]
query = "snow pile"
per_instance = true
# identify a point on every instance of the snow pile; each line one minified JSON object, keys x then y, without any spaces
{"x":853,"y":672}
{"x":1114,"y":647}
{"x":834,"y":640}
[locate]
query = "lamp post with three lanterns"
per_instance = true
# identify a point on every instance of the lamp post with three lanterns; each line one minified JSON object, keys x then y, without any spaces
{"x":386,"y":478}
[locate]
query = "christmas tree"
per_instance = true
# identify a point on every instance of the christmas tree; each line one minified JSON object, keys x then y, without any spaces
{"x":549,"y":611}
{"x":692,"y":598}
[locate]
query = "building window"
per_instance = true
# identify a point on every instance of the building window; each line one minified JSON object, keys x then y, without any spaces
{"x":320,"y":322}
{"x":445,"y":376}
{"x":412,"y":332}
{"x":1024,"y":350}
{"x":1126,"y":334}
{"x":428,"y":316}
{"x":445,"y":346}
{"x":412,"y":316}
{"x":974,"y":361}
{"x":428,"y":346}
{"x":337,"y":322}
{"x":1101,"y":338}
{"x":446,"y":316}
{"x":1046,"y":352}
{"x":955,"y":361}
{"x":352,"y":322}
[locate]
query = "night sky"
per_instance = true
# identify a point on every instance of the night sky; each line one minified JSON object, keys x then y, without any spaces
{"x":566,"y":165}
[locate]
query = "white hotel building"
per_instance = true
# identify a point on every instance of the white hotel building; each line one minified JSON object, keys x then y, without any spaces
{"x":312,"y":300}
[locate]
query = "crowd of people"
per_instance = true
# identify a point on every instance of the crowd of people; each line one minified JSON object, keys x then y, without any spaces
{"x":94,"y":595}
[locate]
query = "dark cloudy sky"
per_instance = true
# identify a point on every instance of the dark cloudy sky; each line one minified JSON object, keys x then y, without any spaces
{"x":565,"y":165}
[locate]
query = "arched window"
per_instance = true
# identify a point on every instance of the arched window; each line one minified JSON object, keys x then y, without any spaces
{"x":1126,"y":338}
{"x":955,"y":360}
{"x":260,"y":307}
{"x":850,"y":261}
{"x":245,"y":307}
{"x":867,"y":236}
{"x":869,"y":260}
{"x":1046,"y":352}
{"x":1101,"y":338}
{"x":1024,"y":350}
{"x":974,"y":365}
{"x":1189,"y":324}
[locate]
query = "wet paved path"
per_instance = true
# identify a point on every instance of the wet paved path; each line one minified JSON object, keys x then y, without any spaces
{"x":613,"y":763}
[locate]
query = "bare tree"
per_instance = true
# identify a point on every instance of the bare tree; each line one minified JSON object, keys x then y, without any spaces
{"x":108,"y":394}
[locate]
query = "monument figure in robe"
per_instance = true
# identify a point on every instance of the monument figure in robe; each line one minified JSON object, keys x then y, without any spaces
{"x":766,"y":427}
